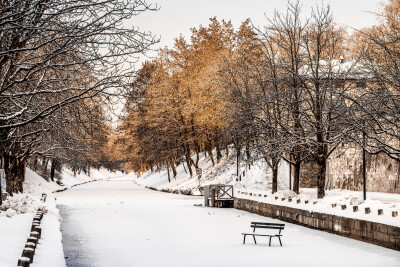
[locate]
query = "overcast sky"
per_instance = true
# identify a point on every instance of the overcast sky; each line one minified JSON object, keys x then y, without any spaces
{"x":176,"y":17}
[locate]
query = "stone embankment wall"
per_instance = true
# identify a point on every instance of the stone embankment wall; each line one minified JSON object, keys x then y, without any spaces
{"x":344,"y":171}
{"x":371,"y":232}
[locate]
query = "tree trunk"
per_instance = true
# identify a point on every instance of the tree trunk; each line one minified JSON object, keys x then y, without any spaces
{"x":173,"y":169}
{"x":52,"y":169}
{"x":184,"y":168}
{"x":169,"y":178}
{"x":237,"y":160}
{"x":209,"y":150}
{"x":7,"y":172}
{"x":275,"y":178}
{"x":218,"y":150}
{"x":188,"y":163}
{"x":15,"y":174}
{"x":20,"y":176}
{"x":197,"y":149}
{"x":296,"y":177}
{"x":35,"y":163}
{"x":45,"y":162}
{"x":321,"y":178}
{"x":248,"y":151}
{"x":1,"y":167}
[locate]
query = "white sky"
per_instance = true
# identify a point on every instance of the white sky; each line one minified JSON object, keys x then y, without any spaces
{"x":176,"y":17}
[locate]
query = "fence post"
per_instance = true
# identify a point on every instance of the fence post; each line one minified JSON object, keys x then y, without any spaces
{"x":213,"y":197}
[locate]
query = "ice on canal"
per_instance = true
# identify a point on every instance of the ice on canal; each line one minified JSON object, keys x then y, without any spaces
{"x":118,"y":223}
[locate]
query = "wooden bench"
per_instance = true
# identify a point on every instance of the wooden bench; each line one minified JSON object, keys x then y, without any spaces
{"x":261,"y":225}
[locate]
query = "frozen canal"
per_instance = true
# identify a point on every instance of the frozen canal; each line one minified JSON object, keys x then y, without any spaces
{"x":118,"y":223}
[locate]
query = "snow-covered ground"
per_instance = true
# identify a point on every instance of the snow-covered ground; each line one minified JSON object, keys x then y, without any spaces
{"x":15,"y":225}
{"x":258,"y":181}
{"x":223,"y":172}
{"x":118,"y":223}
{"x":17,"y":212}
{"x":68,"y":178}
{"x":117,"y":220}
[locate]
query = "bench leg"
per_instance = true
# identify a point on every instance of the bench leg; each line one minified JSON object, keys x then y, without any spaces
{"x":254,"y":239}
{"x":270,"y":240}
{"x":244,"y":239}
{"x":280,"y":240}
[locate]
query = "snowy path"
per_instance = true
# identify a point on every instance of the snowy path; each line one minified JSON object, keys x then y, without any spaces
{"x":118,"y":223}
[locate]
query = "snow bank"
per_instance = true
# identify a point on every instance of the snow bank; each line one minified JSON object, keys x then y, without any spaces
{"x":13,"y":232}
{"x":257,"y":177}
{"x":36,"y":185}
{"x":19,"y":204}
{"x":16,"y":224}
{"x":68,"y":179}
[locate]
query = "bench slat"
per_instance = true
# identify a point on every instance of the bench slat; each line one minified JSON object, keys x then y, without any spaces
{"x":268,"y":227}
{"x":258,"y":234}
{"x":262,"y":223}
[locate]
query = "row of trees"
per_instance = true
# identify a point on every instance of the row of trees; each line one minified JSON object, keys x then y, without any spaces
{"x":60,"y":62}
{"x":281,"y":92}
{"x":178,"y":105}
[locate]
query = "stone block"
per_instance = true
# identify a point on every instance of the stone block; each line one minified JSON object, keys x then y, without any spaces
{"x":24,"y":262}
{"x":357,"y":224}
{"x":349,"y":223}
{"x":32,"y":240}
{"x":28,"y":253}
{"x":354,"y":232}
{"x":384,"y":228}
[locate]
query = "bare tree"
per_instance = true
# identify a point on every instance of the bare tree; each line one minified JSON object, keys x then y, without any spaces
{"x":324,"y":108}
{"x":379,"y":106}
{"x":285,"y":33}
{"x":57,"y":53}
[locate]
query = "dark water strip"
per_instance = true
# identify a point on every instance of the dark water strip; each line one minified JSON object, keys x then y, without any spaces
{"x":75,"y":243}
